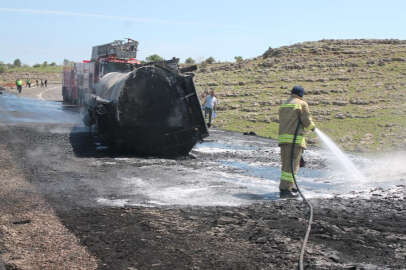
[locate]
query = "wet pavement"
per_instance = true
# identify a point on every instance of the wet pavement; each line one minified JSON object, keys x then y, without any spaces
{"x":227,"y":169}
{"x":18,"y":109}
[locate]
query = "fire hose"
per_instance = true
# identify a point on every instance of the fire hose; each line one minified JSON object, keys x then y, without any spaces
{"x":310,"y":220}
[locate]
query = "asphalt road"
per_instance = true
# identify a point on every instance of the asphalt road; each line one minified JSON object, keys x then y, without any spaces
{"x":51,"y":93}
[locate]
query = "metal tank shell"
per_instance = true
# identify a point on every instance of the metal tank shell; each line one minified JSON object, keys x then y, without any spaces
{"x":151,"y":110}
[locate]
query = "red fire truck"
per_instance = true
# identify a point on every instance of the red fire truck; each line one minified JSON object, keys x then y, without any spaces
{"x":79,"y":78}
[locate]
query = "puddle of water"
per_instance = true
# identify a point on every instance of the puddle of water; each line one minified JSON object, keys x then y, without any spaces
{"x":219,"y":146}
{"x":315,"y":182}
{"x":15,"y":109}
{"x":308,"y":177}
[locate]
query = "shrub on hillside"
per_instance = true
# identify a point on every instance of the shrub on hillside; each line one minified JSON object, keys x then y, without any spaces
{"x":238,"y":59}
{"x":154,"y":58}
{"x":210,"y":60}
{"x":189,"y":60}
{"x":17,"y":63}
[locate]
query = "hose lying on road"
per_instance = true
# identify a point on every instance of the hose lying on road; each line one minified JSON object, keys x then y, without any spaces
{"x":310,"y":220}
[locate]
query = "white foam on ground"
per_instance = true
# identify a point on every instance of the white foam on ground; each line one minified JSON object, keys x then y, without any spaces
{"x":135,"y":182}
{"x":206,"y":187}
{"x":211,"y":150}
{"x":109,"y":163}
{"x":110,"y":202}
{"x":122,"y":159}
{"x":227,"y":184}
{"x":198,"y":187}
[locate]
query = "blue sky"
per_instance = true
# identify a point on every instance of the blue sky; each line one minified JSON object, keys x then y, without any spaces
{"x":42,"y":30}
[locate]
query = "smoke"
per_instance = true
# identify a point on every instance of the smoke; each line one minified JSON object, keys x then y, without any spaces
{"x":362,"y":172}
{"x":386,"y":167}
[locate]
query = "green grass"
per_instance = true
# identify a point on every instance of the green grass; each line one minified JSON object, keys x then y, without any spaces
{"x":366,"y":82}
{"x":41,"y":69}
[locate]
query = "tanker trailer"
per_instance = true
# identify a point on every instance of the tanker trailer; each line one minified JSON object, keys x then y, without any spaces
{"x":152,"y":110}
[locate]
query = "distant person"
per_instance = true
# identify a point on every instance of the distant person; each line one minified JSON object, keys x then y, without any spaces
{"x":294,"y":117}
{"x":46,"y":83}
{"x":28,"y":83}
{"x":36,"y":83}
{"x":19,"y":84}
{"x":42,"y":83}
{"x":203,"y":97}
{"x":210,"y":106}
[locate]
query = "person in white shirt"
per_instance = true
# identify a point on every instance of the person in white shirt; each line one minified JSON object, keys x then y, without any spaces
{"x":210,"y":105}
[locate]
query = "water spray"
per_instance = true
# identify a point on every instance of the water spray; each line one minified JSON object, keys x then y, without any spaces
{"x":347,"y":164}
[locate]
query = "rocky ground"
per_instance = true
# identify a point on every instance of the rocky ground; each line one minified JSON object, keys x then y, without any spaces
{"x":51,"y":177}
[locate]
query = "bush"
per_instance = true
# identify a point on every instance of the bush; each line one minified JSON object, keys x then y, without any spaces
{"x":45,"y":64}
{"x":2,"y":68}
{"x":210,"y":60}
{"x":189,"y":60}
{"x":154,"y":58}
{"x":238,"y":59}
{"x":36,"y":66}
{"x":17,"y":63}
{"x":52,"y":64}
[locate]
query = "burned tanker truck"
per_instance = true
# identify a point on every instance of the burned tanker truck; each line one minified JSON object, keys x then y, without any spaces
{"x":146,"y":109}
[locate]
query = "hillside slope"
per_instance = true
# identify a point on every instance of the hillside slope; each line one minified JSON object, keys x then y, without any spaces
{"x":51,"y":73}
{"x":355,"y":89}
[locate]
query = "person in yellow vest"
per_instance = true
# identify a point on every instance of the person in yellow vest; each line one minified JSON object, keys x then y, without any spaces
{"x":294,"y":117}
{"x":19,"y":84}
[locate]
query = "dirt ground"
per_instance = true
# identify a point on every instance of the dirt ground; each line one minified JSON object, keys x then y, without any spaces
{"x":50,"y":218}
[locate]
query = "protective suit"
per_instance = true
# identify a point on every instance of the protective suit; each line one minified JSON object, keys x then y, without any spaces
{"x":293,"y":111}
{"x":19,"y":84}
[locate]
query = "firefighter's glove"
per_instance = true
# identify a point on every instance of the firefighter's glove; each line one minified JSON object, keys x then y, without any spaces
{"x":302,"y":162}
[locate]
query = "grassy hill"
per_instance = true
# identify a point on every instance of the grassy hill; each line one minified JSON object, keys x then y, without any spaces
{"x":356,"y":90}
{"x":40,"y":69}
{"x":52,"y":73}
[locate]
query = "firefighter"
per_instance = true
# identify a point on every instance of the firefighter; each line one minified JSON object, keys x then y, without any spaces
{"x":291,"y":113}
{"x":19,"y":84}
